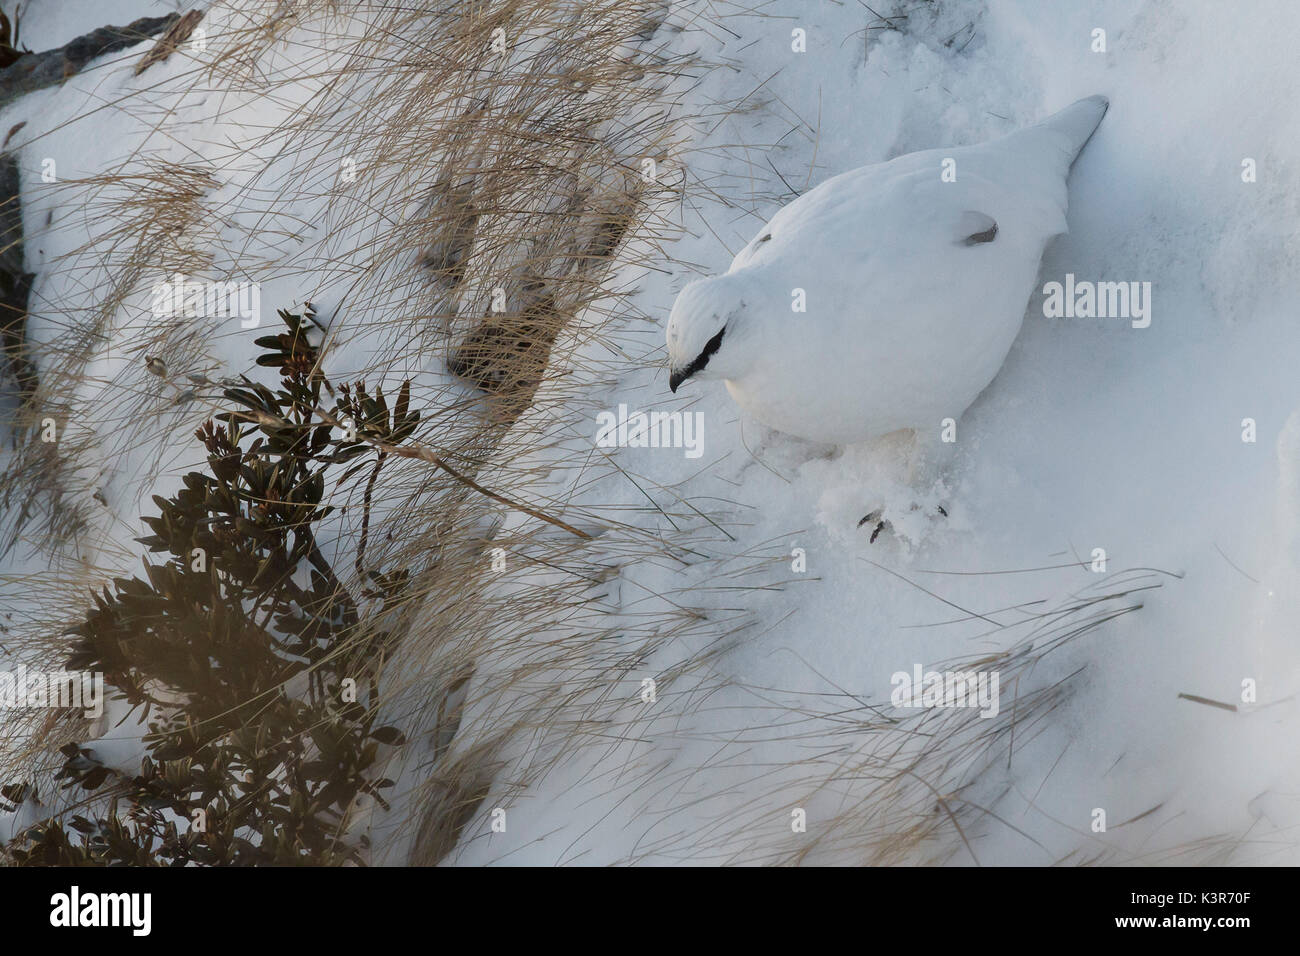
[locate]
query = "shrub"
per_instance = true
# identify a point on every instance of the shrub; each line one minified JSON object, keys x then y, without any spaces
{"x":248,"y":657}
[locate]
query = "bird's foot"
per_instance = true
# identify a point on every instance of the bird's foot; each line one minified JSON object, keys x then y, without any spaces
{"x":880,"y":523}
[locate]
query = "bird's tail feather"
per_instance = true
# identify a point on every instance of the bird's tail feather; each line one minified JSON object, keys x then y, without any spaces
{"x":1072,"y":127}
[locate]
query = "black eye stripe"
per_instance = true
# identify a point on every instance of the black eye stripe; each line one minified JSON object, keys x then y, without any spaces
{"x":702,"y":359}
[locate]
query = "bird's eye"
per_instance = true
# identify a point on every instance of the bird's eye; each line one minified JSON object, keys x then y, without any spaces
{"x":765,"y":238}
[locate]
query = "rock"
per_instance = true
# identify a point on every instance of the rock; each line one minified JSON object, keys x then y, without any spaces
{"x":36,"y":71}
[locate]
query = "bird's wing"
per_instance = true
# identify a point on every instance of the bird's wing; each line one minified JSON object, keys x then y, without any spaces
{"x":1018,"y":182}
{"x":893,"y":212}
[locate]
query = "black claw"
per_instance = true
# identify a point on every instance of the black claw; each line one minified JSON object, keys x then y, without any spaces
{"x":876,"y":534}
{"x":871,"y":516}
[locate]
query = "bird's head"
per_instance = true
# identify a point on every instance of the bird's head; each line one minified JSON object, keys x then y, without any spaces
{"x":702,"y":332}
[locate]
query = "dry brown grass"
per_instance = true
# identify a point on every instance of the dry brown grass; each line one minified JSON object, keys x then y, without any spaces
{"x":493,"y":191}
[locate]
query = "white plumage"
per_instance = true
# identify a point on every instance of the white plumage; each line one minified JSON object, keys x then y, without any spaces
{"x":914,"y":287}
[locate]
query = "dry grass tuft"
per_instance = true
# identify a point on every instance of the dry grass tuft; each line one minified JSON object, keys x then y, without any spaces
{"x":458,"y":180}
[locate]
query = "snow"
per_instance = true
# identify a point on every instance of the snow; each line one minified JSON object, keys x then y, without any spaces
{"x":1094,"y":435}
{"x":775,"y":697}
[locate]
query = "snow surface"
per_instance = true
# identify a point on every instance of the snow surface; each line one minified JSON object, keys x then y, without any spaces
{"x":1094,"y":435}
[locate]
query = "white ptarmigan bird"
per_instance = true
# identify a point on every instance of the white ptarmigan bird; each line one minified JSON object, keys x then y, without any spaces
{"x":914,"y":287}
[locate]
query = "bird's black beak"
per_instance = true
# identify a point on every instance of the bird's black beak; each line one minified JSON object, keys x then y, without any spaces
{"x":675,"y":379}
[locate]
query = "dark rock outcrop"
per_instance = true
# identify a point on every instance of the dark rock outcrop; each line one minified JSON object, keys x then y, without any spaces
{"x":36,"y":71}
{"x":15,"y":283}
